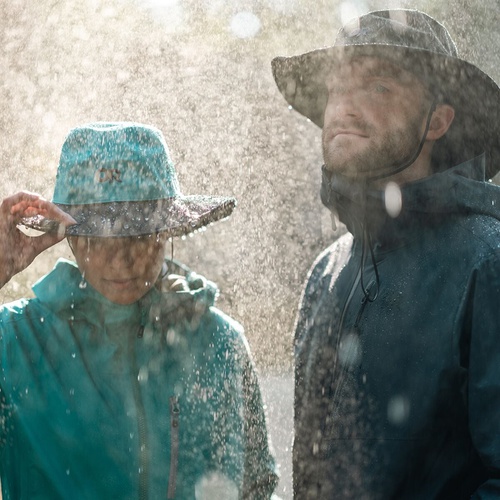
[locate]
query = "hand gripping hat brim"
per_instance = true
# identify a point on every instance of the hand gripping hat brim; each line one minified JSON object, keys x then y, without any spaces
{"x":418,"y":43}
{"x":118,"y":180}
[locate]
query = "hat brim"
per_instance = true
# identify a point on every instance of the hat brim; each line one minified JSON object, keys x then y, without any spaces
{"x":173,"y":216}
{"x":474,"y":95}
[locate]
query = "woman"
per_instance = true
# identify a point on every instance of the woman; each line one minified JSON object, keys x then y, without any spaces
{"x":120,"y":379}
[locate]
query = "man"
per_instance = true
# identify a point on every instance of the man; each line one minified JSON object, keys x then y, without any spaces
{"x":120,"y":379}
{"x":397,"y":342}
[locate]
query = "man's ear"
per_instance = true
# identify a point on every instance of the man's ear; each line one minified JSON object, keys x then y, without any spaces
{"x":441,"y":120}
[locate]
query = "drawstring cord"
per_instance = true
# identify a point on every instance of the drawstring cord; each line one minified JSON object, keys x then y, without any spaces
{"x":366,"y":241}
{"x":413,"y":158}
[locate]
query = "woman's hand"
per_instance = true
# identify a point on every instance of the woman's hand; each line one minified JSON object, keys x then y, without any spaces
{"x":17,"y":250}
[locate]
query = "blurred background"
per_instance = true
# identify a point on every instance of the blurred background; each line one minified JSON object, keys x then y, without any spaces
{"x":200,"y":71}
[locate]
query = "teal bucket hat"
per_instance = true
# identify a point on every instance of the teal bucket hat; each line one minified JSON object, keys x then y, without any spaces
{"x":118,"y":180}
{"x":418,"y":43}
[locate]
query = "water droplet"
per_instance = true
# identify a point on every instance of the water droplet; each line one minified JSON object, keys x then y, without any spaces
{"x":393,"y":199}
{"x":245,"y":24}
{"x":143,"y":374}
{"x":350,"y":350}
{"x":398,"y":410}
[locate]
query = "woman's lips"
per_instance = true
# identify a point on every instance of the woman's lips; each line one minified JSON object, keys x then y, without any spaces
{"x":121,"y":283}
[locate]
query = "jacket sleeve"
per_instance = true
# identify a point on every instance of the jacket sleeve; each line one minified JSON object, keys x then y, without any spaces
{"x":484,"y":372}
{"x":260,"y":477}
{"x":241,"y":444}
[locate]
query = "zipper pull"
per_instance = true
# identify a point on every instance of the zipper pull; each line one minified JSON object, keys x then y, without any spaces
{"x":174,"y":446}
{"x":364,"y":300}
{"x":174,"y":411}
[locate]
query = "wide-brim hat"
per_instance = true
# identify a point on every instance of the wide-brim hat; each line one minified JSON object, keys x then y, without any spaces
{"x":118,"y":180}
{"x":415,"y":41}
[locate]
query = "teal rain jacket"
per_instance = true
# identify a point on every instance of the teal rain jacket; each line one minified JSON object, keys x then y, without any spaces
{"x":158,"y":399}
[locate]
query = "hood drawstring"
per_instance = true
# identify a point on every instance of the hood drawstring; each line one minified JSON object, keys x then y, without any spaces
{"x":416,"y":154}
{"x":366,"y":237}
{"x":367,"y":241}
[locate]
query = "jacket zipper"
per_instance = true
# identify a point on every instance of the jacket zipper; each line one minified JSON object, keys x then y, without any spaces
{"x":174,"y":446}
{"x":141,"y":428}
{"x":364,"y":301}
{"x":342,"y":316}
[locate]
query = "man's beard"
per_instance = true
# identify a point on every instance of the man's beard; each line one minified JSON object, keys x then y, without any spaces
{"x":379,"y":159}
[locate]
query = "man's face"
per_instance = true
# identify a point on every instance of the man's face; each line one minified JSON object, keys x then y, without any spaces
{"x":374,"y":119}
{"x":121,"y":269}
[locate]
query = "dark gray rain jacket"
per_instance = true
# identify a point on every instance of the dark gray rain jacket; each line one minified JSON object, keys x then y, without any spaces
{"x":153,"y":400}
{"x":398,"y":346}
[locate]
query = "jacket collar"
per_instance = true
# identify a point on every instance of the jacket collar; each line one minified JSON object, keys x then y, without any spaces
{"x":458,"y":190}
{"x":180,"y":296}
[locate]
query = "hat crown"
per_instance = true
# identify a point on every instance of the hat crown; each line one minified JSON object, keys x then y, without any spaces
{"x":399,"y":27}
{"x":114,"y":162}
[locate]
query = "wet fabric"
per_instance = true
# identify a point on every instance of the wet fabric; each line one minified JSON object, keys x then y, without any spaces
{"x":158,"y":399}
{"x":398,"y":386}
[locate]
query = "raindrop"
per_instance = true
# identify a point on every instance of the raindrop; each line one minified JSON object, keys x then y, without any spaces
{"x":245,"y":24}
{"x":42,"y":319}
{"x":393,"y":199}
{"x":73,"y":355}
{"x":350,"y":350}
{"x":82,"y":285}
{"x":143,"y":374}
{"x":349,"y":11}
{"x":215,"y":485}
{"x":170,"y":336}
{"x":398,"y":410}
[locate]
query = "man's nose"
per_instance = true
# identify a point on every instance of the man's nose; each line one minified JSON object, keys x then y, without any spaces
{"x":344,"y":103}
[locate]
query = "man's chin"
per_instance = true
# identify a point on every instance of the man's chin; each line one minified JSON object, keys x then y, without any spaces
{"x":345,"y":170}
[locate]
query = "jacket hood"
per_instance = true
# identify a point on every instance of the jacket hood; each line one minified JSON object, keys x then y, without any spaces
{"x":458,"y":190}
{"x":180,"y":296}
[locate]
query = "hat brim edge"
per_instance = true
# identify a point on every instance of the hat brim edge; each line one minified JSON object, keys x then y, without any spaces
{"x":199,"y":211}
{"x":301,"y":81}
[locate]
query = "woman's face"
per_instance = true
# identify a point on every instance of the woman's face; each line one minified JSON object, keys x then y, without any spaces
{"x":121,"y":269}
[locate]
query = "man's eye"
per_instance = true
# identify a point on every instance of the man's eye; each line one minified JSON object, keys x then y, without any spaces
{"x":380,"y":89}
